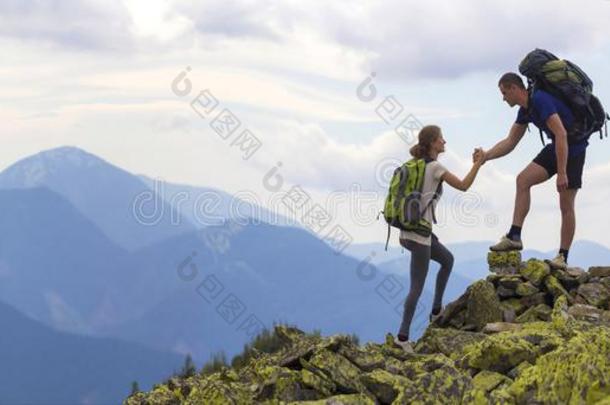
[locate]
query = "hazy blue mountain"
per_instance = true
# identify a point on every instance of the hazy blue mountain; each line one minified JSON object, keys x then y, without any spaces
{"x":101,"y":191}
{"x":376,"y":251}
{"x":56,"y":266}
{"x":205,"y":206}
{"x":44,"y":366}
{"x":59,"y":268}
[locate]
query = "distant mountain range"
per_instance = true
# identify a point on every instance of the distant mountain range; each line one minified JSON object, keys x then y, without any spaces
{"x":43,"y":366}
{"x":103,"y":193}
{"x":204,"y":206}
{"x":75,"y":257}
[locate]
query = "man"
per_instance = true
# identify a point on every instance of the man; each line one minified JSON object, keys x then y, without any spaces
{"x":554,"y":118}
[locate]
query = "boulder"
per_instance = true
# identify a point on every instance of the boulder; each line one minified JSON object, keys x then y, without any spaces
{"x":594,"y":293}
{"x":587,"y":313}
{"x":526,"y":289}
{"x":504,"y":262}
{"x":577,"y":372}
{"x":553,"y":286}
{"x":535,"y":271}
{"x":497,"y":327}
{"x":540,"y":312}
{"x":599,"y":271}
{"x":483,"y":305}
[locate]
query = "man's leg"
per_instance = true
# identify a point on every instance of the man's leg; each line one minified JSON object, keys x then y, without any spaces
{"x":532,"y":175}
{"x":567,"y":200}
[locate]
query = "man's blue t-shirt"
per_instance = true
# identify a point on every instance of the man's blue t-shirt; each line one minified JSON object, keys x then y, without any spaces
{"x":543,"y":106}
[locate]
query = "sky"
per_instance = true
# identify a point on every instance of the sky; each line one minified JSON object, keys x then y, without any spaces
{"x":318,"y":89}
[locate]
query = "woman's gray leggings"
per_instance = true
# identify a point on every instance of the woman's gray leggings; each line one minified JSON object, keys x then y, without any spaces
{"x":420,"y":260}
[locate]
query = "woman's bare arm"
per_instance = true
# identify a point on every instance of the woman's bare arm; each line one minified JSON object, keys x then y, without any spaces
{"x":465,"y":183}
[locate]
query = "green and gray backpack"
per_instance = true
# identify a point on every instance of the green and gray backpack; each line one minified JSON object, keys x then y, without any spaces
{"x":403,"y":205}
{"x":566,"y":81}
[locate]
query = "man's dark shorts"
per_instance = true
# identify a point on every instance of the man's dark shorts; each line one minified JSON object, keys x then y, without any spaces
{"x":548,"y":159}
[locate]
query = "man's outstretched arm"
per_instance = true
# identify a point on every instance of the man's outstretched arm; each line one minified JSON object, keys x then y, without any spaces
{"x":506,"y":145}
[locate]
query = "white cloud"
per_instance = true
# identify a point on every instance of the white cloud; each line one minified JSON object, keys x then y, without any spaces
{"x":399,"y":39}
{"x":87,"y":24}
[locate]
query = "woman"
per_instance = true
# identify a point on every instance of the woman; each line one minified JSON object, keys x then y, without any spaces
{"x":430,"y":145}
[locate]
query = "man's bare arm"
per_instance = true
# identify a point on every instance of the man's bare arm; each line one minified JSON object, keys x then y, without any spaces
{"x":561,"y":150}
{"x":506,"y":145}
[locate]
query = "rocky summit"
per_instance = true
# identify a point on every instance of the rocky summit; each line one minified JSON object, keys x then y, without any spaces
{"x":528,"y":334}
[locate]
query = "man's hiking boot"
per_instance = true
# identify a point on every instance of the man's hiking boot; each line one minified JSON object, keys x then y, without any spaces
{"x":404,"y":345}
{"x":559,"y":262}
{"x":506,"y":244}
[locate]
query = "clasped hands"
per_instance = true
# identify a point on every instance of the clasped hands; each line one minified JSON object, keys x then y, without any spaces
{"x":478,"y":156}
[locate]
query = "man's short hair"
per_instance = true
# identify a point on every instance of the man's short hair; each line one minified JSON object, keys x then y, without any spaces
{"x":511,"y":78}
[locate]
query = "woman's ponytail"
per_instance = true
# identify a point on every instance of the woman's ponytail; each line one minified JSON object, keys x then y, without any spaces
{"x":417,"y":151}
{"x":427,"y":135}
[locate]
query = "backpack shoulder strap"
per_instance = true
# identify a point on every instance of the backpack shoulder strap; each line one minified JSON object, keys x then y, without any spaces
{"x":434,"y":197}
{"x":530,"y":110}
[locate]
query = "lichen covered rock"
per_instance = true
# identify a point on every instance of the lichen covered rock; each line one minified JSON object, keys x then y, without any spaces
{"x":535,"y":271}
{"x":483,"y":305}
{"x":577,"y":372}
{"x":504,"y":262}
{"x":596,"y":294}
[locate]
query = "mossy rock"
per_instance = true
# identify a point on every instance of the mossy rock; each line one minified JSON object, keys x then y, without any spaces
{"x":514,"y":304}
{"x":159,"y":395}
{"x":366,"y":360}
{"x":534,"y":299}
{"x":605,"y":281}
{"x":447,"y":341}
{"x":446,"y":384}
{"x":535,"y":271}
{"x":504,"y":262}
{"x":339,"y":370}
{"x":541,"y":312}
{"x":510,"y":281}
{"x":487,"y":381}
{"x":344,"y":399}
{"x":483,"y":305}
{"x":526,"y":289}
{"x":556,"y":289}
{"x":318,"y":382}
{"x":567,"y":280}
{"x":599,"y":271}
{"x":213,"y":390}
{"x":587,"y":313}
{"x":499,"y":353}
{"x":384,"y":385}
{"x":577,"y":372}
{"x":595,"y":294}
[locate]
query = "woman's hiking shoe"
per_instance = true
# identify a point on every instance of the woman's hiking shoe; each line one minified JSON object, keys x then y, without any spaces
{"x":559,"y":262}
{"x":434,"y":317}
{"x":404,"y":345}
{"x":506,"y":244}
